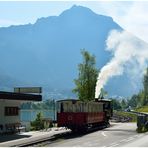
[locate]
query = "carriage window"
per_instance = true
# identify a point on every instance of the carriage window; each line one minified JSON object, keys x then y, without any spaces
{"x":76,"y":107}
{"x":81,"y":109}
{"x":89,"y":108}
{"x":58,"y":107}
{"x":65,"y":107}
{"x":62,"y":109}
{"x":71,"y":108}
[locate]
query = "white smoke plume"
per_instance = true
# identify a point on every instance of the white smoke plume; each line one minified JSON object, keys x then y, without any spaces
{"x":126,"y":49}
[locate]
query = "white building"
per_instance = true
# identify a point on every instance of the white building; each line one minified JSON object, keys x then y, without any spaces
{"x":10,"y":108}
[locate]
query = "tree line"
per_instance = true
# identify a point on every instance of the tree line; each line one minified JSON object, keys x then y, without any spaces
{"x":141,"y":99}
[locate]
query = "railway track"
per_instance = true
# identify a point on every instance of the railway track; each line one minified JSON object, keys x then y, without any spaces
{"x":42,"y":141}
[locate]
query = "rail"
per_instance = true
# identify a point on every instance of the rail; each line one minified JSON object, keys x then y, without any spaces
{"x":138,"y":113}
{"x":33,"y":142}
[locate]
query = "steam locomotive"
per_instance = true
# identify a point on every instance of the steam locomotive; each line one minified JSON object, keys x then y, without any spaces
{"x":80,"y":116}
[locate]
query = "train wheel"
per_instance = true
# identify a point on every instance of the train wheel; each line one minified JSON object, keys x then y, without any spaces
{"x":107,"y":124}
{"x":74,"y":130}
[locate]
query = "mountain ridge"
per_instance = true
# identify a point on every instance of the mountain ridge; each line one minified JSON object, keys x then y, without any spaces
{"x":47,"y":52}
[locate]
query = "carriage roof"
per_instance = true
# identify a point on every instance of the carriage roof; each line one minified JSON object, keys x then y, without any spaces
{"x":67,"y":100}
{"x":76,"y":100}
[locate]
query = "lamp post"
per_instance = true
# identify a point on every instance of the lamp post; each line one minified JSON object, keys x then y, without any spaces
{"x":54,"y":110}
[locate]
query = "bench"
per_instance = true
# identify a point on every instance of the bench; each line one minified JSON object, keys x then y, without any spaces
{"x":9,"y":128}
{"x":19,"y":127}
{"x":14,"y":127}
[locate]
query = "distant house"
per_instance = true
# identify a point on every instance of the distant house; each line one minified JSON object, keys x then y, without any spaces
{"x":10,"y":107}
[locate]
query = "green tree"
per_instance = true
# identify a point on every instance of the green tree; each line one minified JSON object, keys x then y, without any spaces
{"x":141,"y":98}
{"x":38,"y":123}
{"x":133,"y":102}
{"x":116,"y":104}
{"x":123,"y":104}
{"x":87,"y":78}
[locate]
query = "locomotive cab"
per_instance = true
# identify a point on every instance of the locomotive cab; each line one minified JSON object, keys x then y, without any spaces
{"x":107,"y":108}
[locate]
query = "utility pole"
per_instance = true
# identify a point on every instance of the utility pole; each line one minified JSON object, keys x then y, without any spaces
{"x":54,"y":111}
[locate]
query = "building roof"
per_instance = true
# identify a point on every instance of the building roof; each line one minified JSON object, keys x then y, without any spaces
{"x":19,"y":96}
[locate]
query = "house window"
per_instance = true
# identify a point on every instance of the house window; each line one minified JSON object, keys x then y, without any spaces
{"x":11,"y":111}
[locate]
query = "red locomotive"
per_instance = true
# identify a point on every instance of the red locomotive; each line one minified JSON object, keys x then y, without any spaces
{"x":79,"y":116}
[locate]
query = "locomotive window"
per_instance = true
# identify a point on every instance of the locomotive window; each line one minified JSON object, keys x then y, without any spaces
{"x":106,"y":105}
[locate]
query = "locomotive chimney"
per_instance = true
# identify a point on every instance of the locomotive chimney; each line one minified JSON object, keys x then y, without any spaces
{"x":101,"y":95}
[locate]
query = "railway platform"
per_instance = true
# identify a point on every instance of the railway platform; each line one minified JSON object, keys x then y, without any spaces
{"x":25,"y":138}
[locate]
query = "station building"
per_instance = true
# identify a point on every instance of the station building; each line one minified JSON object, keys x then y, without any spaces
{"x":10,"y":103}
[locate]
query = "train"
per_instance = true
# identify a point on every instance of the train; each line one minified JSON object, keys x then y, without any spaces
{"x":80,"y":116}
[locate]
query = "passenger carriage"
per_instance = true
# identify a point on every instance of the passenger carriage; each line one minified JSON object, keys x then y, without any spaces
{"x":79,"y":116}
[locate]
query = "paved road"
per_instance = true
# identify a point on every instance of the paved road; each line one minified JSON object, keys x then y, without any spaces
{"x":141,"y":141}
{"x":118,"y":135}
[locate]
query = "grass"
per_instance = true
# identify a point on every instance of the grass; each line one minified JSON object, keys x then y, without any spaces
{"x":142,"y":109}
{"x":133,"y":117}
{"x":130,"y":115}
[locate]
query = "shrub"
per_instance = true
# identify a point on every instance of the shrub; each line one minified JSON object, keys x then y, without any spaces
{"x":38,"y":123}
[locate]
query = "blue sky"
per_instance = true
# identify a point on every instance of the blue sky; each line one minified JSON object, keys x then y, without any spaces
{"x":24,"y":12}
{"x":131,"y":15}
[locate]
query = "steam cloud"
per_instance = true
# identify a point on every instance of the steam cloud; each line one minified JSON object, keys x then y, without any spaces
{"x":126,"y":49}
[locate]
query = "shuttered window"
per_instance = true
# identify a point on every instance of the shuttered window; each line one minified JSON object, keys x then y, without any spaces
{"x":11,"y":111}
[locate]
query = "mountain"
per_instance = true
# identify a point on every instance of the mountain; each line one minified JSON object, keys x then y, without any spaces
{"x":47,"y":52}
{"x":8,"y":83}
